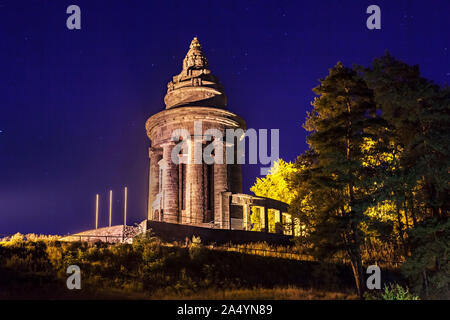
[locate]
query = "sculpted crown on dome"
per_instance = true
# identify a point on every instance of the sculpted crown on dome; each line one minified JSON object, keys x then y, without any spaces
{"x":195,"y":58}
{"x":195,"y":85}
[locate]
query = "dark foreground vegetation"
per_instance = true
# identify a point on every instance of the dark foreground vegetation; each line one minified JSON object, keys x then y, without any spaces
{"x":373,"y":188}
{"x":148,"y":268}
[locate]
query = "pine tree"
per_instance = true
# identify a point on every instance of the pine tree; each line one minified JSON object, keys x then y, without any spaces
{"x":418,"y":115}
{"x":343,"y":116}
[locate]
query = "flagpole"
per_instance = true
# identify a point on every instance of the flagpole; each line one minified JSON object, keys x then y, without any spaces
{"x":110,"y":206}
{"x":125,"y":208}
{"x":96,"y":212}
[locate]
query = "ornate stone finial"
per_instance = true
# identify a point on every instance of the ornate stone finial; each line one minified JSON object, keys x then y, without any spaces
{"x":195,"y":59}
{"x":195,"y":44}
{"x":195,"y":85}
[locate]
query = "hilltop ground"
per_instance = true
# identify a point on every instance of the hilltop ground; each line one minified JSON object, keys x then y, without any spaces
{"x":150,"y":269}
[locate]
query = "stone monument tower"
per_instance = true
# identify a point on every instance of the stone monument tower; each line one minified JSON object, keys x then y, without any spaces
{"x":189,"y":192}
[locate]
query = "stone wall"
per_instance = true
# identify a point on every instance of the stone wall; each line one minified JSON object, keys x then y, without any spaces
{"x":179,"y":232}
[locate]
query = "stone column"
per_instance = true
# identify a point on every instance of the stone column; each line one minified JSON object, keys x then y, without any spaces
{"x":170,"y":186}
{"x":220,"y":185}
{"x":287,"y":225}
{"x":224,"y":219}
{"x":195,"y":204}
{"x":293,"y":227}
{"x":266,"y":219}
{"x":262,"y":219}
{"x":246,"y":216}
{"x":153,"y":183}
{"x":234,"y":169}
{"x":277,"y":221}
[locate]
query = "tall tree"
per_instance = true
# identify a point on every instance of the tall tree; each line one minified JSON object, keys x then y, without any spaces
{"x":343,"y":116}
{"x":418,"y":115}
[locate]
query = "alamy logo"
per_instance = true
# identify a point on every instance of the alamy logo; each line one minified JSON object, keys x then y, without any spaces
{"x":212,"y":147}
{"x":74,"y":280}
{"x":374,"y":280}
{"x":374,"y":20}
{"x":74,"y":20}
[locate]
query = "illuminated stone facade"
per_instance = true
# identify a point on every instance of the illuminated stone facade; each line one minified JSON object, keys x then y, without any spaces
{"x":207,"y":195}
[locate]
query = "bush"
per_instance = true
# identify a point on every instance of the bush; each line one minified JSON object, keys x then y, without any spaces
{"x":391,"y":292}
{"x":18,"y":237}
{"x":428,"y":267}
{"x":148,"y":265}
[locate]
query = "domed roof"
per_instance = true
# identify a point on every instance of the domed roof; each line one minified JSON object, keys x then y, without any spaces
{"x":195,"y":85}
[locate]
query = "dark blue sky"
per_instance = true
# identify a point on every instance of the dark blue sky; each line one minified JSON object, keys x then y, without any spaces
{"x":73,"y":104}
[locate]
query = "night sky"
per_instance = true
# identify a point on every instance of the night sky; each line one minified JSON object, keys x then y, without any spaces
{"x":73,"y":104}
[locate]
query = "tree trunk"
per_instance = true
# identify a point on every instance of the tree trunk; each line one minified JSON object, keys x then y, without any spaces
{"x":405,"y":209}
{"x":400,"y":228}
{"x":413,"y":211}
{"x":358,"y":273}
{"x":425,"y":283}
{"x":355,"y":251}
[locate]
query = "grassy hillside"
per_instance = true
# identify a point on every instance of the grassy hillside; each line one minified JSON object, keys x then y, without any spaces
{"x":149,"y":268}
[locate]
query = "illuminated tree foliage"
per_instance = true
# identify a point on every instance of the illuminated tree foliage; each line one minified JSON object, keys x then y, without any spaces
{"x":417,"y":112}
{"x":377,"y":170}
{"x":418,"y":115}
{"x":274,"y":185}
